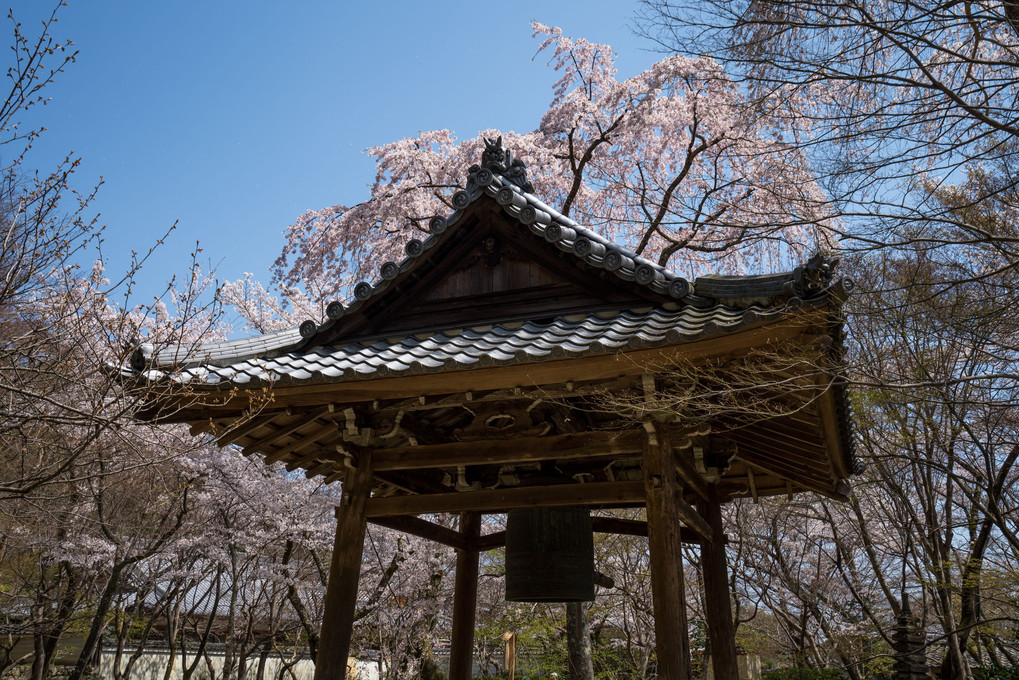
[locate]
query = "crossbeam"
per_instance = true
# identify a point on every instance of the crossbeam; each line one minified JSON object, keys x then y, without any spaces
{"x":508,"y":451}
{"x":599,"y":525}
{"x":416,"y":526}
{"x":501,"y":500}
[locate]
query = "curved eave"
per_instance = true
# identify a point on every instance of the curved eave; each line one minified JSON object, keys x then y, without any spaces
{"x":466,"y":363}
{"x":510,"y":344}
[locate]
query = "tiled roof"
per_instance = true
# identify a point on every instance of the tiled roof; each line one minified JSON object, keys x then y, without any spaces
{"x":475,"y":347}
{"x":701,"y":308}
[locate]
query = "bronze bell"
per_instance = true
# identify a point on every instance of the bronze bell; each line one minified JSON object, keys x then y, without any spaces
{"x":549,"y":555}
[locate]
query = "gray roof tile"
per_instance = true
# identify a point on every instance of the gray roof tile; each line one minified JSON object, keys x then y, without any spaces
{"x":485,"y":345}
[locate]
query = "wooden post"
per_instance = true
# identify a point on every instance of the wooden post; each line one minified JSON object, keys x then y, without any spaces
{"x":666,"y":548}
{"x":717,"y":607}
{"x":344,"y":572}
{"x":465,"y":599}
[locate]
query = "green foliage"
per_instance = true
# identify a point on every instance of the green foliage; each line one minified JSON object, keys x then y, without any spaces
{"x":879,"y":668}
{"x":803,"y":674}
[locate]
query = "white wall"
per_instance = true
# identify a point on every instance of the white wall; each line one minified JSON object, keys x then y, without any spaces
{"x":152,"y":666}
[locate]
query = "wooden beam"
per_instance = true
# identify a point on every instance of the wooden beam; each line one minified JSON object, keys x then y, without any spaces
{"x":616,"y":525}
{"x":344,"y":571}
{"x":422,"y":529}
{"x":688,"y":473}
{"x":508,"y":451}
{"x":794,"y":457}
{"x":666,"y":548}
{"x":252,"y":424}
{"x":322,"y":468}
{"x":565,"y":390}
{"x":773,"y":468}
{"x":600,"y":525}
{"x":634,"y":527}
{"x":197,"y":427}
{"x":795,"y":430}
{"x":496,"y":539}
{"x":306,"y":461}
{"x":693,"y":519}
{"x":793,"y":462}
{"x":411,"y":483}
{"x":311,"y":439}
{"x":423,"y":434}
{"x":423,"y":403}
{"x":499,"y":500}
{"x":830,"y":421}
{"x":465,"y":599}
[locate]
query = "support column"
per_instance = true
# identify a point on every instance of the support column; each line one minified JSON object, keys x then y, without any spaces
{"x":344,"y":572}
{"x":717,"y":605}
{"x":667,"y":583}
{"x":465,"y":600}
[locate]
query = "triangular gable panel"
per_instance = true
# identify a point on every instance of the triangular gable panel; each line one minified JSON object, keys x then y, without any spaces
{"x":487,"y":267}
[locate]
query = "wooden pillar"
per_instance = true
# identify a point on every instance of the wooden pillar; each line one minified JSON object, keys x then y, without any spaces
{"x":667,"y":584}
{"x":344,"y":572}
{"x":465,"y":600}
{"x":717,"y":606}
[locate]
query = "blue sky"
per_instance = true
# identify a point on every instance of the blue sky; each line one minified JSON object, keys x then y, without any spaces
{"x":232,"y":118}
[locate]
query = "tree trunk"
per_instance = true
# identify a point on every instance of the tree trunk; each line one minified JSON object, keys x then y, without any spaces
{"x":310,"y":627}
{"x":84,"y":665}
{"x":578,"y":642}
{"x":39,"y":662}
{"x":263,"y":657}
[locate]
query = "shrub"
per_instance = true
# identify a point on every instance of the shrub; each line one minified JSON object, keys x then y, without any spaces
{"x":996,"y":673}
{"x":803,"y":674}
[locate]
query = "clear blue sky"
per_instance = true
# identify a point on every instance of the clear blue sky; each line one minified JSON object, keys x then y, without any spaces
{"x":232,"y":118}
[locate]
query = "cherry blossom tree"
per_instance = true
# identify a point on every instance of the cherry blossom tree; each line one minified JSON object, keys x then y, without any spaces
{"x":68,"y":445}
{"x":903,"y":99}
{"x":667,"y":161}
{"x":936,"y":426}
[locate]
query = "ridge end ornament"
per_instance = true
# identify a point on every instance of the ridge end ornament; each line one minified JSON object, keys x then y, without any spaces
{"x":813,"y":276}
{"x":499,"y":160}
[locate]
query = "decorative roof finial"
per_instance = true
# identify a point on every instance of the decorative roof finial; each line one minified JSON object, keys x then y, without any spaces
{"x":500,"y":160}
{"x":812,"y":277}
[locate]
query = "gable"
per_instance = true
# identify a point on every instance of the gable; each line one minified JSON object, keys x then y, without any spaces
{"x":487,"y":267}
